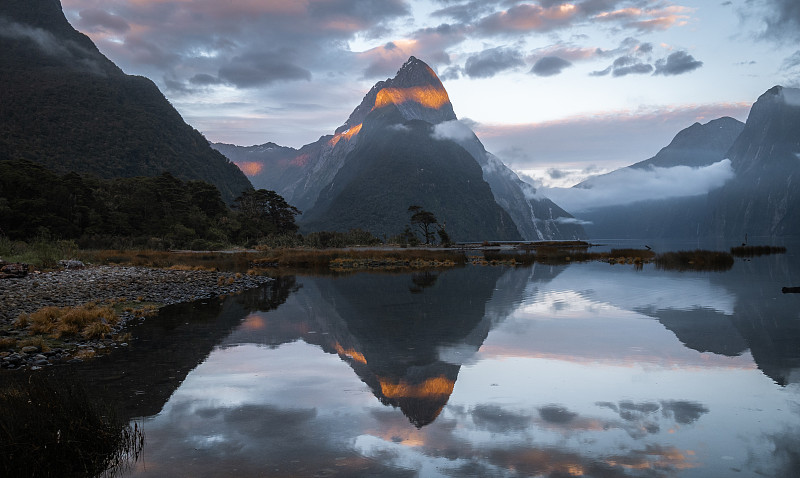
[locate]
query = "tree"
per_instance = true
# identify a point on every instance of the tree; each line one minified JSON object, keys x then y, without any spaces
{"x":424,"y":221}
{"x":265,"y":212}
{"x":444,"y":237}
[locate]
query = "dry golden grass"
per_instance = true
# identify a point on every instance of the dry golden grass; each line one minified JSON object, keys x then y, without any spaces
{"x":7,"y":343}
{"x":89,"y":320}
{"x":338,"y":259}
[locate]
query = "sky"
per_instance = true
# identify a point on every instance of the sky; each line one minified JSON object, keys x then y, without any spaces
{"x":558,"y":90}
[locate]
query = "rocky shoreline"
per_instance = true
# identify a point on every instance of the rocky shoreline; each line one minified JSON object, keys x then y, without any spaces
{"x":101,"y":284}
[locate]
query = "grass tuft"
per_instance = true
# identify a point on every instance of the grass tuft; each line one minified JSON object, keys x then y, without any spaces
{"x":87,"y":320}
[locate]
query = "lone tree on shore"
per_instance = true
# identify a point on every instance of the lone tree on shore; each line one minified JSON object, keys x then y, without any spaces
{"x":266,"y":212}
{"x":424,"y":221}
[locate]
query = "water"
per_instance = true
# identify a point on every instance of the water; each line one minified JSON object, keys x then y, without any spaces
{"x":579,"y":370}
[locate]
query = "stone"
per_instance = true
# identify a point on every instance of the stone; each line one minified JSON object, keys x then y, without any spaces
{"x":30,"y":349}
{"x":72,"y":264}
{"x":13,"y":270}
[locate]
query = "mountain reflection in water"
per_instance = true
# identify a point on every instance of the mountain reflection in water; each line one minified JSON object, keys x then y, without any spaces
{"x":580,"y":370}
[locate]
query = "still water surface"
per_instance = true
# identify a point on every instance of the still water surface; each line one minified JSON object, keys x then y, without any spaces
{"x":579,"y":370}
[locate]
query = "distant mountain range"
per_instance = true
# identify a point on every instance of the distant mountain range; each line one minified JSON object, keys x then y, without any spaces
{"x":750,"y":173}
{"x":402,"y":146}
{"x":66,"y":106}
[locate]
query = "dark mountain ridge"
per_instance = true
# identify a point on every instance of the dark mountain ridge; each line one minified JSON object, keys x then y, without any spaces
{"x":69,"y":108}
{"x":761,"y":199}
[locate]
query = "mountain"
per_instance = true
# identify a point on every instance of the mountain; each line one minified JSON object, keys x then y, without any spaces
{"x":763,"y":199}
{"x":404,"y":145}
{"x":69,"y":108}
{"x":698,"y":146}
{"x":760,"y":197}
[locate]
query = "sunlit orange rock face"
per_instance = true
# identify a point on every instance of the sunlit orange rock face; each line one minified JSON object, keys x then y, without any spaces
{"x":250,"y":168}
{"x":347,"y":135}
{"x":350,"y":353}
{"x":435,"y":387}
{"x":428,"y":96}
{"x":300,"y":160}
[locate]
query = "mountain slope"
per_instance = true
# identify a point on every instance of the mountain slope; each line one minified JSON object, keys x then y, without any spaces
{"x":698,"y":146}
{"x":397,"y":164}
{"x":414,"y":94}
{"x":763,"y":199}
{"x":69,"y":108}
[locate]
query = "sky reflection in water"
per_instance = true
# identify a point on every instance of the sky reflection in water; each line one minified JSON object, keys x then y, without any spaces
{"x":547,"y":371}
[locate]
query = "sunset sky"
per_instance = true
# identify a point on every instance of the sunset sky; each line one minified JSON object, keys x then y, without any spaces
{"x":555,"y":89}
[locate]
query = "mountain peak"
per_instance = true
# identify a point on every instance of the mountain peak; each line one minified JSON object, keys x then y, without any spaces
{"x":416,"y":91}
{"x":415,"y":72}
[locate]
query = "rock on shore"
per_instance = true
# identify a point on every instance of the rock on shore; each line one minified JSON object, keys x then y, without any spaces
{"x":102,"y":284}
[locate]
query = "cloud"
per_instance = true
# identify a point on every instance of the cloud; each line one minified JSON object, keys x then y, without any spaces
{"x":782,"y":20}
{"x":492,"y":61}
{"x":68,"y":53}
{"x":560,"y":177}
{"x":626,"y":186}
{"x":579,"y":142}
{"x":95,"y":19}
{"x":452,"y":131}
{"x":556,"y":414}
{"x":400,"y":127}
{"x":528,"y":18}
{"x":573,"y":220}
{"x":684,"y":412}
{"x":646,"y":20}
{"x":451,"y":73}
{"x":496,"y":419}
{"x":676,"y":64}
{"x":258,"y":69}
{"x":626,"y":65}
{"x":549,"y":66}
{"x":465,"y":12}
{"x":430,"y":44}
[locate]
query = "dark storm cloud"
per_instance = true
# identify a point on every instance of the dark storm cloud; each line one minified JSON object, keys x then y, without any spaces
{"x":95,"y":19}
{"x":257,"y":69}
{"x":492,"y":61}
{"x":549,"y":66}
{"x":226,"y":39}
{"x":676,"y":64}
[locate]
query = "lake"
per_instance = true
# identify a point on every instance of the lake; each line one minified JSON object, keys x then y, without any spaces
{"x":578,"y":370}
